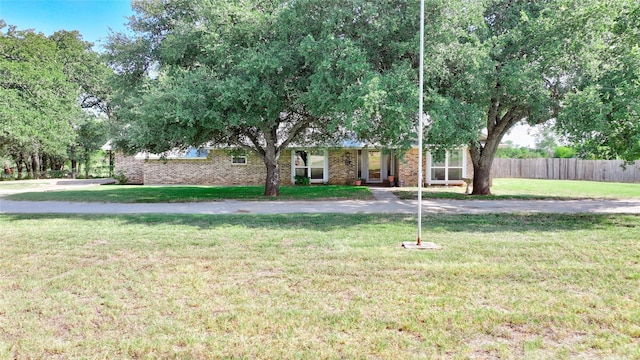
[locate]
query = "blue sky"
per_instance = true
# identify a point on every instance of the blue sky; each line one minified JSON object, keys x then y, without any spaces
{"x":92,"y":18}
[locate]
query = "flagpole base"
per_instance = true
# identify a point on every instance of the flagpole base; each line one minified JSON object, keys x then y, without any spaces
{"x":422,"y":246}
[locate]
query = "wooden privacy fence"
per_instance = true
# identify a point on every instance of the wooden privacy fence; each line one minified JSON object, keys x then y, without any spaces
{"x":566,"y":169}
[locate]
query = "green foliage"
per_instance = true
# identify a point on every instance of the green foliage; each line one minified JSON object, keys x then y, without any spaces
{"x":508,"y":61}
{"x":546,"y":138}
{"x":44,"y":83}
{"x":521,"y":152}
{"x":37,"y":102}
{"x":92,"y":134}
{"x":263,"y":77}
{"x":564,"y":152}
{"x":602,"y":114}
{"x":302,"y":180}
{"x":121,"y":178}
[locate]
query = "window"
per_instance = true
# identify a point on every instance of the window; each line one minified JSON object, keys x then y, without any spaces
{"x":238,"y":160}
{"x":195,"y":153}
{"x":450,"y":170}
{"x":311,"y":164}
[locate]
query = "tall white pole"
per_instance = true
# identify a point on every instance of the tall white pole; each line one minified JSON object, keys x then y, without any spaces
{"x":420,"y":130}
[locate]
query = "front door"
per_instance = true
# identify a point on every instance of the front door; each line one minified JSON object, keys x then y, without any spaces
{"x":375,"y":166}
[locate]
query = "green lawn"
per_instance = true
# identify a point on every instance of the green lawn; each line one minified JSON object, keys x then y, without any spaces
{"x":502,"y":189}
{"x":319,"y":286}
{"x":173,"y":194}
{"x":533,"y":189}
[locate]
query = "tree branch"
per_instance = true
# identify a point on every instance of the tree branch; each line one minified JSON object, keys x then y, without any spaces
{"x":297,"y":128}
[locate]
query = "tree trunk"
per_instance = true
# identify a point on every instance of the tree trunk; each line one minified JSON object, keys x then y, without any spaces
{"x":482,"y":155}
{"x":74,"y":163}
{"x":35,"y":160}
{"x":45,"y":164}
{"x":112,"y":161}
{"x":20,"y":166}
{"x":482,"y":159}
{"x":86,"y":158}
{"x":28,"y":166}
{"x":482,"y":179}
{"x":272,"y":185}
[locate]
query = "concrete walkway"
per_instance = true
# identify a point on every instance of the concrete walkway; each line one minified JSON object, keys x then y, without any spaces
{"x":385,"y":202}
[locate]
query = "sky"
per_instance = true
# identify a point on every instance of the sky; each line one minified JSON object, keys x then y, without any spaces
{"x":521,"y":135}
{"x":93,"y":18}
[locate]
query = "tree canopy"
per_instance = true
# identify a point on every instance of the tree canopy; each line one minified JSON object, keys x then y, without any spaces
{"x":602,"y":113}
{"x":44,"y":83}
{"x":534,"y":61}
{"x":267,"y":74}
{"x":262,"y":75}
{"x":36,"y":100}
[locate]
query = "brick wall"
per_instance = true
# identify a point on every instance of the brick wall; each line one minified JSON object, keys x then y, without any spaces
{"x":216,"y":169}
{"x":130,"y":167}
{"x":342,"y":166}
{"x":408,"y":168}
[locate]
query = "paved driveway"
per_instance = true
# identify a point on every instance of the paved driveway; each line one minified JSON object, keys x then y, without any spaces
{"x":385,"y":202}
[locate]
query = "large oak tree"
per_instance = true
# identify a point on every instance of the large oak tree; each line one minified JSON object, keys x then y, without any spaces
{"x":537,"y":61}
{"x":262,"y":75}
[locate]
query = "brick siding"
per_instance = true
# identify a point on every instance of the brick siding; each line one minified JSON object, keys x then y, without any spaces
{"x":130,"y":167}
{"x":408,"y":168}
{"x":217,"y":169}
{"x":342,"y":166}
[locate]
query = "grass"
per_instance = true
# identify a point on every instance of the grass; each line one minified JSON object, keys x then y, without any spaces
{"x":175,"y":194}
{"x":533,"y":189}
{"x":319,"y":286}
{"x":23,"y":185}
{"x":524,"y":189}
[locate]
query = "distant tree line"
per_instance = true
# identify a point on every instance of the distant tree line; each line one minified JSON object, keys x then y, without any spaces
{"x":51,"y":118}
{"x":522,"y":152}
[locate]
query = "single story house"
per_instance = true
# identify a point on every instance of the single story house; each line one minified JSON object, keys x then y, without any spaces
{"x":374,"y":166}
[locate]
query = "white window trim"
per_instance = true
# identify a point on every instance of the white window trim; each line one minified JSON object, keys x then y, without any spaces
{"x":246,"y":161}
{"x":325,"y":171}
{"x":446,"y":181}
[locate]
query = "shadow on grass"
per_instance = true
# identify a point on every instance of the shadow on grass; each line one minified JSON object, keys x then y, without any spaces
{"x":492,"y":223}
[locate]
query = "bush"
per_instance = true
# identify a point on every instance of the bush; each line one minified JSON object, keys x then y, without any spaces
{"x":564,"y":152}
{"x":302,"y":180}
{"x":121,"y":178}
